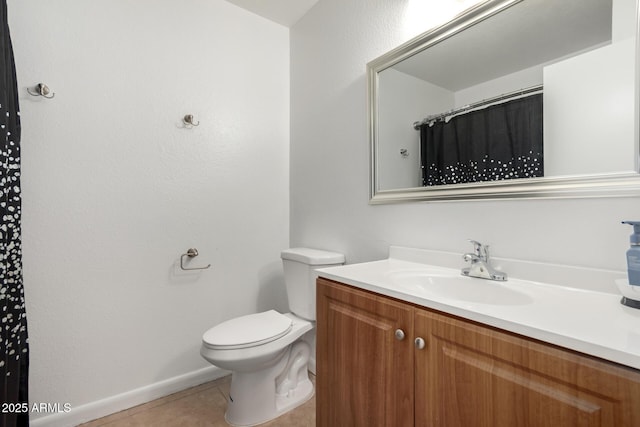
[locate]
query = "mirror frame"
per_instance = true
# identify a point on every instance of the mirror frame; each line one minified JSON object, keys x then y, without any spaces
{"x":623,"y":184}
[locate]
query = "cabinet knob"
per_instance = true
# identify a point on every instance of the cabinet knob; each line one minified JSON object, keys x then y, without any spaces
{"x":399,"y":334}
{"x":419,"y":343}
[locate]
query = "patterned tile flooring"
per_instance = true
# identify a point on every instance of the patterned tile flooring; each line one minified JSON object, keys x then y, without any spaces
{"x":200,"y":406}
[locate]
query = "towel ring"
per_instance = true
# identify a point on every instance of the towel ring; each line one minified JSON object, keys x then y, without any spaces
{"x":43,"y":90}
{"x":192,"y":252}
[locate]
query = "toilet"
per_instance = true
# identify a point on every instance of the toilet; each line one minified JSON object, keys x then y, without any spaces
{"x":265,"y":351}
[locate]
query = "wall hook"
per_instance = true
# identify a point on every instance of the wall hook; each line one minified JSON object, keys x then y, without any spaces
{"x":189,"y":120}
{"x":192,"y":252}
{"x":41,"y":89}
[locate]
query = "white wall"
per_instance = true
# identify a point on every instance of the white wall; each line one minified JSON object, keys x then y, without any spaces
{"x":511,"y":82}
{"x":583,"y":110}
{"x":330,"y":169}
{"x":605,"y":96}
{"x":404,"y":99}
{"x":115,"y":188}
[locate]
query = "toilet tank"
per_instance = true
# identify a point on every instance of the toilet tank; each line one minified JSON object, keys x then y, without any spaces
{"x":300,"y":265}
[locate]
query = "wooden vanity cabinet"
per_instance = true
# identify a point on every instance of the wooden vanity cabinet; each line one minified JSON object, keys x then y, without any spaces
{"x":364,"y":374}
{"x":466,"y":375}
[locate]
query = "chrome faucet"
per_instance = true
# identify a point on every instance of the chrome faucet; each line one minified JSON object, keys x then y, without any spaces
{"x":480,"y":266}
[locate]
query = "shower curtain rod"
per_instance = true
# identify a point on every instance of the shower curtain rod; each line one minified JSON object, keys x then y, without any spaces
{"x":504,"y":96}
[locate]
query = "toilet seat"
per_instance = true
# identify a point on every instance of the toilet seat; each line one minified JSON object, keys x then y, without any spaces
{"x":248,"y":331}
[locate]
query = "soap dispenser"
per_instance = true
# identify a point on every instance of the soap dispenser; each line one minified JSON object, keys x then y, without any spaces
{"x":631,"y":288}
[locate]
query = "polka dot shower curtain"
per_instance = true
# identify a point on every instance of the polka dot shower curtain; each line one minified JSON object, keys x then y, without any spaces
{"x":502,"y":141}
{"x":14,"y":359}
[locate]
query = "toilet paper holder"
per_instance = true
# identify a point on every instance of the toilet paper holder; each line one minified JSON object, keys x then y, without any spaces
{"x":191,"y":253}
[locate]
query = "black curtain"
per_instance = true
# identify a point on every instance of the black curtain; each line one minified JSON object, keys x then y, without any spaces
{"x":502,"y":141}
{"x":14,"y":357}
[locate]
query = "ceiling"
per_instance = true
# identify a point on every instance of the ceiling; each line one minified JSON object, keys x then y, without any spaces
{"x":527,"y":34}
{"x":543,"y":32}
{"x":284,"y":12}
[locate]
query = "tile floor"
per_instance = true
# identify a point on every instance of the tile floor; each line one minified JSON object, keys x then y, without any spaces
{"x":200,"y":406}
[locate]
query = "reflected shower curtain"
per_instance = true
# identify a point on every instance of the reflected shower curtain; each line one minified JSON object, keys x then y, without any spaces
{"x":503,"y":141}
{"x":14,"y":357}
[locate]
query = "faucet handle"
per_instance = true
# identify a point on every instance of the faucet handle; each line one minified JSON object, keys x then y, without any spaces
{"x":482,"y":251}
{"x":486,"y":252}
{"x":477,"y":246}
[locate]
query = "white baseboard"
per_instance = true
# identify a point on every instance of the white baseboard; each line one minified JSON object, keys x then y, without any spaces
{"x":120,"y":402}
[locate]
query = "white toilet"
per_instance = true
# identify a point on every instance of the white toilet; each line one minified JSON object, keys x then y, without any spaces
{"x":264,"y":352}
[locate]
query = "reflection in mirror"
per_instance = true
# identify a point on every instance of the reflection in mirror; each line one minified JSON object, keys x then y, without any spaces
{"x":483,"y":143}
{"x":518,"y":90}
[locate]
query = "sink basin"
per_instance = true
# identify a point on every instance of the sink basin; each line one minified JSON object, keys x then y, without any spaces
{"x":457,"y":287}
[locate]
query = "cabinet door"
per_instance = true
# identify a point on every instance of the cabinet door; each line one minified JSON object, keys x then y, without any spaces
{"x":469,"y":375}
{"x":364,"y":373}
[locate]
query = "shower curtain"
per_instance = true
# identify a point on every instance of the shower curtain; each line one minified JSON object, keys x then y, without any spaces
{"x":502,"y":141}
{"x":14,"y":357}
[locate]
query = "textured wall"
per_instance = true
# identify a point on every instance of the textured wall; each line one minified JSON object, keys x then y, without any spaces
{"x":330,"y":159}
{"x":115,"y":188}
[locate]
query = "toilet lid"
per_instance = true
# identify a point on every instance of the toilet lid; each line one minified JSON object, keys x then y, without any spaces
{"x":248,"y":331}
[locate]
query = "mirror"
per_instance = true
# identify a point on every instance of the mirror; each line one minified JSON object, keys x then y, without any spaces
{"x":560,"y":78}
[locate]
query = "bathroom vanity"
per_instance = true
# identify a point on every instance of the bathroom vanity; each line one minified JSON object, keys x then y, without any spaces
{"x":392,"y":355}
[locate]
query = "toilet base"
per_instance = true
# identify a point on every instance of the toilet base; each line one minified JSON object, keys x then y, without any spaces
{"x":296,"y":397}
{"x":258,"y":397}
{"x":303,"y":394}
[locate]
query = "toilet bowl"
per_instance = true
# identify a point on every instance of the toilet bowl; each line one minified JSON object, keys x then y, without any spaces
{"x":264,"y":351}
{"x":269,"y":375}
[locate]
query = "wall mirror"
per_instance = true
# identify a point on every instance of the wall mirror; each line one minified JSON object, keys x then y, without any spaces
{"x":510,"y":99}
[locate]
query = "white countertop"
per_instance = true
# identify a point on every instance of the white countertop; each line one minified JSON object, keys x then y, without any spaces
{"x":588,"y":321}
